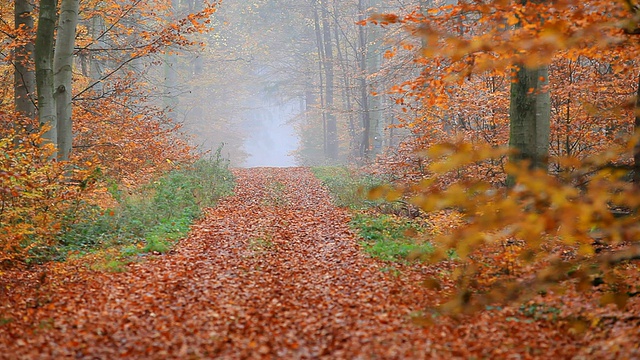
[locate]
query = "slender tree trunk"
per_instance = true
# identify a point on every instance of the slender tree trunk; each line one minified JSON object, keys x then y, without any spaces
{"x":332,"y":123}
{"x":197,"y":68}
{"x":171,"y":73}
{"x":636,"y":148}
{"x":63,"y":76}
{"x":24,"y":75}
{"x":365,"y":146}
{"x":96,"y":53}
{"x":43,"y":52}
{"x":321,"y":61}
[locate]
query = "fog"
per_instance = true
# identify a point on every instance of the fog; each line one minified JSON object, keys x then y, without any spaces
{"x":273,"y":138}
{"x":261,"y":52}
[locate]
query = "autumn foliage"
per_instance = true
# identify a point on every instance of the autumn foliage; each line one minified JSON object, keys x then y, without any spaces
{"x":573,"y":225}
{"x":122,"y":134}
{"x":489,"y":257}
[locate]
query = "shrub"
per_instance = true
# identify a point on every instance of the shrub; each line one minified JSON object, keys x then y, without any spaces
{"x":390,"y":238}
{"x":34,"y":192}
{"x":347,"y":188}
{"x":155,"y":214}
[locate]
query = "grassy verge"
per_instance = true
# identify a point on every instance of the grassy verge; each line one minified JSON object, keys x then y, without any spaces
{"x":347,"y":188}
{"x":149,"y":220}
{"x":389,"y":237}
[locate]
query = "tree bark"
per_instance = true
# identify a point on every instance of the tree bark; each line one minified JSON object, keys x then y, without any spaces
{"x":332,"y":123}
{"x":197,"y":68}
{"x":171,"y":72}
{"x":530,"y":115}
{"x":96,"y":53}
{"x":636,"y":148}
{"x":63,"y":75}
{"x":365,"y":146}
{"x":43,"y":52}
{"x":24,"y":75}
{"x":374,"y":62}
{"x":321,"y":62}
{"x":346,"y":94}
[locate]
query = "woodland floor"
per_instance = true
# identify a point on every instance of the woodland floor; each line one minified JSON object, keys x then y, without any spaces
{"x":272,"y":272}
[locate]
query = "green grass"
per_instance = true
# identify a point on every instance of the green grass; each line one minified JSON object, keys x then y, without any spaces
{"x":150,"y":220}
{"x":386,"y":237}
{"x":347,"y":187}
{"x":390,"y":238}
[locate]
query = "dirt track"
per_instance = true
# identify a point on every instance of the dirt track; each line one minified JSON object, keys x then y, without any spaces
{"x":272,"y":272}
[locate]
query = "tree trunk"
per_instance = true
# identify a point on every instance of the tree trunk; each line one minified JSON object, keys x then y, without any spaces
{"x":63,"y":76}
{"x":365,"y":146}
{"x":96,"y":53}
{"x":529,"y":114}
{"x":197,"y":69}
{"x":171,"y":72}
{"x":346,"y":94}
{"x":332,"y":124}
{"x":24,"y":76}
{"x":636,"y":148}
{"x":321,"y":61}
{"x":43,"y":52}
{"x":374,"y":62}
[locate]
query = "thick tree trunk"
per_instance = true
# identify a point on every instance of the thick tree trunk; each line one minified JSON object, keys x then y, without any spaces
{"x":346,"y":95}
{"x":197,"y":68}
{"x":530,"y":113}
{"x":374,"y":62}
{"x":63,"y":76}
{"x":24,"y":75}
{"x":44,"y":68}
{"x":332,"y":123}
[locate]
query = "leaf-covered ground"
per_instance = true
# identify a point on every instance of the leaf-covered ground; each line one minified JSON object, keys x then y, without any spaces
{"x":272,"y":272}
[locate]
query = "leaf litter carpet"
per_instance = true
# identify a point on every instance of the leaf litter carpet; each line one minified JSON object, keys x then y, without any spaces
{"x":272,"y":272}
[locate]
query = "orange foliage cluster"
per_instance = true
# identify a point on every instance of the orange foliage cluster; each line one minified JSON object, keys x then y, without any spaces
{"x":33,"y":193}
{"x":120,"y":132}
{"x":466,"y":61}
{"x":548,"y":229}
{"x":129,"y":141}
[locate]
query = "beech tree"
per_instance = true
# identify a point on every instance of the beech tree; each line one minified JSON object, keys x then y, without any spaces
{"x":24,"y":75}
{"x":63,"y":75}
{"x":530,"y":113}
{"x":43,"y":52}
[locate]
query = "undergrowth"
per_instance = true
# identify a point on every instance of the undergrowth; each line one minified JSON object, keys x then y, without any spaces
{"x":389,"y":237}
{"x":150,"y":219}
{"x":348,"y":188}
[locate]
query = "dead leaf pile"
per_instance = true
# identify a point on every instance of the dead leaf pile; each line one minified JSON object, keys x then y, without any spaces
{"x":272,"y":272}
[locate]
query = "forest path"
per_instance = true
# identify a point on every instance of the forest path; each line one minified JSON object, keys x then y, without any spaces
{"x":272,"y":272}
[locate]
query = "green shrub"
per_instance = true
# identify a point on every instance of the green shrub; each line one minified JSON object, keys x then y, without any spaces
{"x":390,"y":238}
{"x":347,"y":188}
{"x":157,"y":214}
